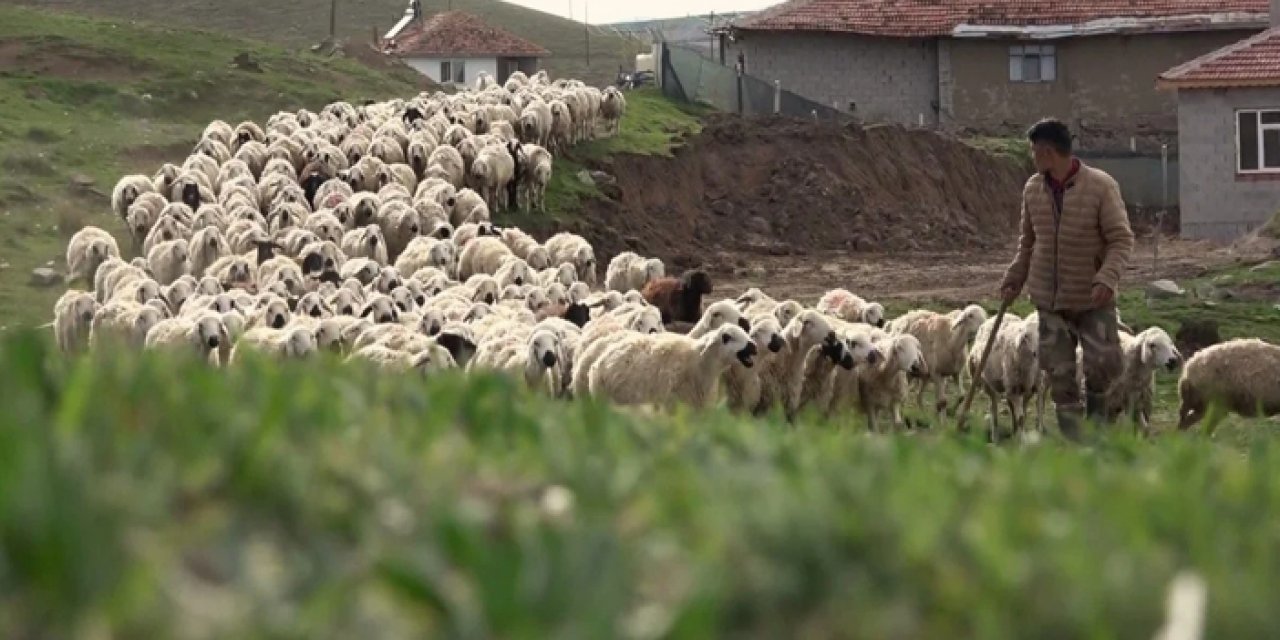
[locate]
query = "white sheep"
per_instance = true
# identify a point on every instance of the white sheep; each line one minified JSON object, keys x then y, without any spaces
{"x":425,"y":362}
{"x":843,"y":304}
{"x":782,"y":377}
{"x":742,"y":385}
{"x":286,"y":343}
{"x":666,"y":368}
{"x":534,"y":358}
{"x":1013,"y":368}
{"x":493,"y":172}
{"x":87,"y":250}
{"x":203,"y":334}
{"x":526,"y":248}
{"x":73,"y":319}
{"x":567,"y":247}
{"x":629,"y":271}
{"x":484,"y":255}
{"x":613,"y":105}
{"x":367,"y":242}
{"x":944,"y":343}
{"x":169,"y":261}
{"x":127,"y":191}
{"x":1241,"y":376}
{"x":124,"y":323}
{"x":535,"y":174}
{"x":1132,"y":392}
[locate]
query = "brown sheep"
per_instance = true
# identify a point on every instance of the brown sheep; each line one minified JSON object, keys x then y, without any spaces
{"x":679,"y":299}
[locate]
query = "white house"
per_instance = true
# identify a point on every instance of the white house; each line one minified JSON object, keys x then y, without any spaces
{"x":455,"y":47}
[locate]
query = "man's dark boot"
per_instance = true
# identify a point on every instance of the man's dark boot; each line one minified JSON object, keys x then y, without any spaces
{"x":1096,"y":409}
{"x":1069,"y":423}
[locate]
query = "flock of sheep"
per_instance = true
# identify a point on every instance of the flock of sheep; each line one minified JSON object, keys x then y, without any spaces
{"x":365,"y":230}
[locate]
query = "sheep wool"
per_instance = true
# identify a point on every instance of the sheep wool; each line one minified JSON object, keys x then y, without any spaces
{"x":944,"y":343}
{"x":87,"y":250}
{"x":665,"y":368}
{"x":1241,"y":376}
{"x":72,"y":320}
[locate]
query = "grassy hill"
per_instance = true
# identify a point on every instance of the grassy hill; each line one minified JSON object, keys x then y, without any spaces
{"x":305,"y":22}
{"x":91,"y":100}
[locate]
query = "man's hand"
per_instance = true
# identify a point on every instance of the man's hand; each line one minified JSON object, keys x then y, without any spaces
{"x":1102,"y":296}
{"x":1009,"y":293}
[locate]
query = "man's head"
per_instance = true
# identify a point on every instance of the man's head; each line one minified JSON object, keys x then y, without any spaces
{"x":1050,"y":144}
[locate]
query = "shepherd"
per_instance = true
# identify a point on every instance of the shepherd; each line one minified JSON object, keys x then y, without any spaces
{"x":1074,"y":246}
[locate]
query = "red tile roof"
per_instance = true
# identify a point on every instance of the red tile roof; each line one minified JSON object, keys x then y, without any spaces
{"x":1252,"y":62}
{"x":934,"y":18}
{"x":455,"y":33}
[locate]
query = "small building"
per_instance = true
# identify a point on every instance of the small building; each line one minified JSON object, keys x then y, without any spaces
{"x":456,"y":47}
{"x":1229,"y":135}
{"x":992,"y":67}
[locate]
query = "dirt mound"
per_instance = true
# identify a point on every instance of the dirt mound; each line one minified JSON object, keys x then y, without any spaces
{"x":780,"y":186}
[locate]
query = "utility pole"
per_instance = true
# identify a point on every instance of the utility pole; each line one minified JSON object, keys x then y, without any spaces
{"x":333,"y":20}
{"x":586,"y":28}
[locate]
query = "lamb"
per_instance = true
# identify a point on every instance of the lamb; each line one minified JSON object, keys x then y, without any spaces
{"x":944,"y":341}
{"x":168,"y":261}
{"x":425,"y":362}
{"x":123,"y":323}
{"x":423,"y":252}
{"x":1241,"y":376}
{"x":742,"y":385}
{"x":87,"y":250}
{"x":446,"y":163}
{"x":534,"y":358}
{"x":842,"y":304}
{"x":883,"y":386}
{"x":1132,"y":391}
{"x":126,"y":192}
{"x":666,"y":368}
{"x":1013,"y":368}
{"x":366,"y":243}
{"x":202,"y":334}
{"x":628,"y":271}
{"x":72,"y":320}
{"x":283,"y":343}
{"x":680,"y":300}
{"x":482,"y":255}
{"x":782,"y":377}
{"x":494,"y":171}
{"x":613,"y":105}
{"x":567,"y":247}
{"x":535,"y":165}
{"x":525,"y":247}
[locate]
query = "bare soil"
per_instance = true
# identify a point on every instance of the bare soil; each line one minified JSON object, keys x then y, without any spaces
{"x":64,"y":60}
{"x":797,"y":208}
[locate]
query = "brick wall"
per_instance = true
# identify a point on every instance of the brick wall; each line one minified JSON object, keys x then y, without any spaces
{"x":1216,"y":204}
{"x":1105,"y":87}
{"x":890,"y":80}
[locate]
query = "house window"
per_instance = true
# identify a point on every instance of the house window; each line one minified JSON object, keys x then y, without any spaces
{"x":1258,"y":141}
{"x":454,"y":71}
{"x":1033,"y":63}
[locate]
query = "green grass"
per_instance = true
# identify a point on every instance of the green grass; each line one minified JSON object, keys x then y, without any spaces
{"x":102,"y":99}
{"x":306,"y":22}
{"x":325,"y":501}
{"x":1014,"y":149}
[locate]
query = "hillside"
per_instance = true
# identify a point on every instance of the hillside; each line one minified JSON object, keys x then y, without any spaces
{"x":84,"y":101}
{"x":306,"y":22}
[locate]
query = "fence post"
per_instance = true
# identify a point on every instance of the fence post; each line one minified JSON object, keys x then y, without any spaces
{"x":777,"y":96}
{"x":739,"y":78}
{"x":1164,"y":205}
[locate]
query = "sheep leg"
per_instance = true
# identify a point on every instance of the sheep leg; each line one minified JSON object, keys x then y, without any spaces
{"x":1015,"y":415}
{"x":940,"y":399}
{"x":995,"y":411}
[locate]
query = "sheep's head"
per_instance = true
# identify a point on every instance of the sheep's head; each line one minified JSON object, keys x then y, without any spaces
{"x":140,"y":220}
{"x":388,"y":278}
{"x":478,"y":311}
{"x":274,"y":311}
{"x":809,"y":327}
{"x":147,"y":290}
{"x":83,"y":308}
{"x":355,"y":177}
{"x":431,"y":323}
{"x":344,"y":301}
{"x":536,"y":299}
{"x":767,"y":334}
{"x":191,"y":194}
{"x":312,"y":306}
{"x":735,"y":342}
{"x":371,"y":238}
{"x":128,"y":195}
{"x":209,"y":286}
{"x":311,"y":185}
{"x":873,"y":314}
{"x":724,"y":312}
{"x":906,"y":353}
{"x":544,"y":348}
{"x":969,"y":320}
{"x":485,"y":289}
{"x":1158,"y":350}
{"x":696,"y":281}
{"x":329,"y":335}
{"x":578,"y":292}
{"x":210,"y":332}
{"x":146,"y":318}
{"x":403,"y":298}
{"x":381,"y":309}
{"x":365,"y":210}
{"x":302,"y":343}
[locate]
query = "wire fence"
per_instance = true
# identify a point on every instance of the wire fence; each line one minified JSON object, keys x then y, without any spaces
{"x":690,"y":76}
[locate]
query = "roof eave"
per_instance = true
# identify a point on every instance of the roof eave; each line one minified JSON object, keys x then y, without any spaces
{"x":1244,"y":83}
{"x":1117,"y":26}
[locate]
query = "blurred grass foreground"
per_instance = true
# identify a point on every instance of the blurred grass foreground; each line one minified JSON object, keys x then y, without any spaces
{"x":146,"y":496}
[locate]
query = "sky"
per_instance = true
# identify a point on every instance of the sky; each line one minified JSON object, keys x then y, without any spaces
{"x":605,"y":11}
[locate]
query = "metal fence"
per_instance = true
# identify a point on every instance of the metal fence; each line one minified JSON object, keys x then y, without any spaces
{"x":690,"y":76}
